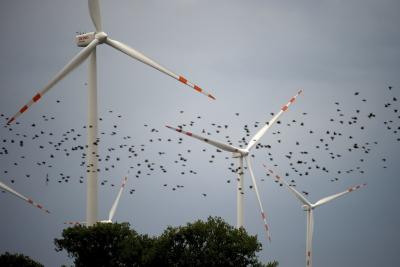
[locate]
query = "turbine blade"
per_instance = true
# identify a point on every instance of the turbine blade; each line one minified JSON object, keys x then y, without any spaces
{"x":297,"y":194}
{"x":114,"y":206}
{"x":217,"y":144}
{"x":142,"y":58}
{"x":94,"y":10}
{"x":15,"y":193}
{"x":75,"y":62}
{"x":265,"y":128}
{"x":330,"y":198}
{"x":263,"y":215}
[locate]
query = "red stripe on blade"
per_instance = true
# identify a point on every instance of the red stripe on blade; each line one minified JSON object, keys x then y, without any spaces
{"x":183,"y":80}
{"x":198,"y":89}
{"x":284,"y":108}
{"x":36,"y":97}
{"x":23,"y":109}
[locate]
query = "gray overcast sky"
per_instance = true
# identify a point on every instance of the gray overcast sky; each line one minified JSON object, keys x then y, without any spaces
{"x":253,"y":56}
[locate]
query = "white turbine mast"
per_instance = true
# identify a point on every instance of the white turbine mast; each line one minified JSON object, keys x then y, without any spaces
{"x":309,"y":207}
{"x":113,"y":207}
{"x":29,"y":200}
{"x":242,"y":155}
{"x":90,"y":41}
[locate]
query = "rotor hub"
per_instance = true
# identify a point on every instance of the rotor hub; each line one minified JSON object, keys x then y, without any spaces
{"x":240,"y":153}
{"x":101,"y":36}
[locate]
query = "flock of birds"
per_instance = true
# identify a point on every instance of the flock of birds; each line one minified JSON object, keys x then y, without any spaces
{"x":311,"y":154}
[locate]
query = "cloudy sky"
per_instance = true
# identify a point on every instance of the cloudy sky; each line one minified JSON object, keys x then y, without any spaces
{"x":253,"y":56}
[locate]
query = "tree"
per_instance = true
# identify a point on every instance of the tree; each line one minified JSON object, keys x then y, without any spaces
{"x":104,"y":244}
{"x":210,"y":243}
{"x":272,"y":264}
{"x":17,"y":260}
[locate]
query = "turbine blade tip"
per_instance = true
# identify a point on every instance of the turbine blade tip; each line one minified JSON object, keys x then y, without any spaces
{"x":10,"y":120}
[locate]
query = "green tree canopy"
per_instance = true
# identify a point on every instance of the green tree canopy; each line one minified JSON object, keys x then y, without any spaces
{"x":104,"y":244}
{"x":17,"y":260}
{"x":210,"y":243}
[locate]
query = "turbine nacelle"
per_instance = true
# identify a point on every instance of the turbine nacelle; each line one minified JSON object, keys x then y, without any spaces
{"x":307,"y":208}
{"x":82,"y":40}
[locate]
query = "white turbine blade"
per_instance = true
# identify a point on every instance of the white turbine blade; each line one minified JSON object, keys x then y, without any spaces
{"x":297,"y":194}
{"x":310,"y":230}
{"x":94,"y":10}
{"x":330,"y":198}
{"x":265,"y":128}
{"x":142,"y":58}
{"x":264,"y":217}
{"x":114,"y":206}
{"x":15,"y":193}
{"x":75,"y":62}
{"x":217,"y":144}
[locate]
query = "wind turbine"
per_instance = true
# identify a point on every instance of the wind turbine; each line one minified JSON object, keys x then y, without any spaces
{"x":309,"y":207}
{"x":15,"y":193}
{"x":90,"y":41}
{"x":113,"y":207}
{"x":242,"y":154}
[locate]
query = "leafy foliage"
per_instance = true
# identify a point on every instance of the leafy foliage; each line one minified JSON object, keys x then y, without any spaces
{"x":17,"y":260}
{"x":272,"y":264}
{"x":210,"y":243}
{"x":104,"y":245}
